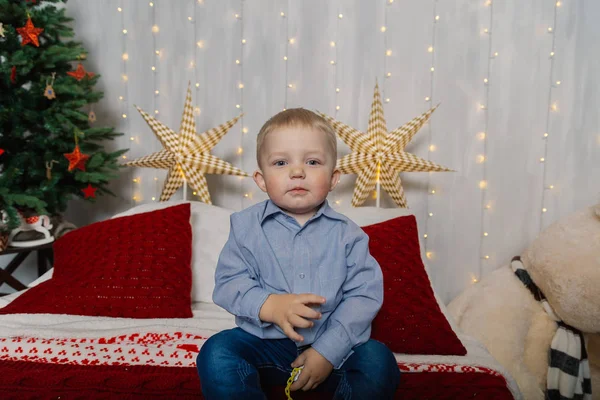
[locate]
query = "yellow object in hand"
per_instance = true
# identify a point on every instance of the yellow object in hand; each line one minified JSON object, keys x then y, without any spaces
{"x":295,"y":374}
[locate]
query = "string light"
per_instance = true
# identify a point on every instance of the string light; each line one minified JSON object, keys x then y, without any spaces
{"x":155,"y":101}
{"x":333,"y":45}
{"x":552,"y":107}
{"x":285,"y":58}
{"x":241,"y":104}
{"x":428,"y":99}
{"x":482,"y":136}
{"x":125,"y":88}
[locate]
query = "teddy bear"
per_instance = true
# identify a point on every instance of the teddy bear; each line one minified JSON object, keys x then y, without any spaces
{"x":563,"y":262}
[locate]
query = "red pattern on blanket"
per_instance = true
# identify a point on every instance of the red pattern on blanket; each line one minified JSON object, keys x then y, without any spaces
{"x":162,"y":365}
{"x":166,"y":349}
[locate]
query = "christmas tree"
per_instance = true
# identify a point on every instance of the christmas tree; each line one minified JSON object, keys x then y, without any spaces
{"x":50,"y":151}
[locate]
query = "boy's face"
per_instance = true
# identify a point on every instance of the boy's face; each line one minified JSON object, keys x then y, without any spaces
{"x":298,"y":169}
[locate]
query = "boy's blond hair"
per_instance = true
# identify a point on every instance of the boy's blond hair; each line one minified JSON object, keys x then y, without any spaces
{"x":297,"y":117}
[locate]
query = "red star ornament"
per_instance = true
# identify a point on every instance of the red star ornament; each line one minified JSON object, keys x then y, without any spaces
{"x":80,"y":73}
{"x":89,"y":191}
{"x":30,"y":33}
{"x":76,"y":159}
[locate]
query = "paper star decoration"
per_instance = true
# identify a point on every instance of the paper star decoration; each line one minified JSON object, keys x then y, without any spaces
{"x":30,"y":33}
{"x":80,"y":73}
{"x":89,"y":191}
{"x":2,"y":30}
{"x":379,"y":155}
{"x":187,"y":155}
{"x":76,"y":159}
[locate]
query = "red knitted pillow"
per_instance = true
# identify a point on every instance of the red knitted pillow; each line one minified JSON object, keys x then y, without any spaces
{"x":129,"y":267}
{"x":410,"y":320}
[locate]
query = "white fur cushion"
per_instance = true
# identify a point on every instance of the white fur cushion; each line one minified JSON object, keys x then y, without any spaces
{"x":210,"y":230}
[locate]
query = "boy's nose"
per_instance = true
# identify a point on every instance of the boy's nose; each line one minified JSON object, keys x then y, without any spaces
{"x":297,"y":172}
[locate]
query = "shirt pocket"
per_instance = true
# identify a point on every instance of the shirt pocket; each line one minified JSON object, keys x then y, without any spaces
{"x":331,"y":289}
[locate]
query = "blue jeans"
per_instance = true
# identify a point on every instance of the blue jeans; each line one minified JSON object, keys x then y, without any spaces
{"x":232,"y":364}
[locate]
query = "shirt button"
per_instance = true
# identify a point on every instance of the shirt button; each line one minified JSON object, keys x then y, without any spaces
{"x":301,"y":275}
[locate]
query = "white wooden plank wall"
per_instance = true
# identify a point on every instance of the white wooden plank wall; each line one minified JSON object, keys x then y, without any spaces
{"x":342,"y":44}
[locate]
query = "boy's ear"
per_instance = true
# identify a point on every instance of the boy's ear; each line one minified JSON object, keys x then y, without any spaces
{"x":260,"y":180}
{"x":335,"y":178}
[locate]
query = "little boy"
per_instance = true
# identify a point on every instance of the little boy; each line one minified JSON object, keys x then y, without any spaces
{"x":299,"y":279}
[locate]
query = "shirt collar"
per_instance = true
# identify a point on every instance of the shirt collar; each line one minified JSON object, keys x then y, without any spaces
{"x":272,"y":209}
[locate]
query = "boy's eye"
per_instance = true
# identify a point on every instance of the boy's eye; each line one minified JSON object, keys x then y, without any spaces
{"x":313,"y":162}
{"x":279,"y":163}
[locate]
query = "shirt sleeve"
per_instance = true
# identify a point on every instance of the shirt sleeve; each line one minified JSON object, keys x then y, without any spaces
{"x":237,"y":288}
{"x":350,"y":323}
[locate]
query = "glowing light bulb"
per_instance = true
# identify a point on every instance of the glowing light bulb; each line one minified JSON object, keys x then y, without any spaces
{"x":546,"y":134}
{"x":481,"y":135}
{"x":542,"y":159}
{"x":124,"y":115}
{"x":125,"y":56}
{"x":200,"y":43}
{"x":482,"y":184}
{"x":430,"y":49}
{"x":425,"y":236}
{"x":241,"y":86}
{"x":388,"y":53}
{"x":383,"y":29}
{"x":155,"y":29}
{"x":388,"y":74}
{"x":340,"y":16}
{"x":292,"y":40}
{"x":332,"y":43}
{"x":119,"y":9}
{"x":432,"y":147}
{"x":431,"y":214}
{"x":124,"y":31}
{"x":544,"y":209}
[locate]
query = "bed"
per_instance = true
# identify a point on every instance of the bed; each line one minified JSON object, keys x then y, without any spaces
{"x":54,"y":344}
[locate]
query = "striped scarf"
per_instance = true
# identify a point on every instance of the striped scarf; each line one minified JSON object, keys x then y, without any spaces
{"x":568,"y":369}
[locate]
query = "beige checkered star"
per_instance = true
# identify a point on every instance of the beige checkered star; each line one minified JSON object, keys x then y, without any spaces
{"x":379,"y":155}
{"x":187,"y":155}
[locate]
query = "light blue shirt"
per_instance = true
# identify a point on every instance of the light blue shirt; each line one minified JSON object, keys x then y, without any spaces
{"x":269,"y":252}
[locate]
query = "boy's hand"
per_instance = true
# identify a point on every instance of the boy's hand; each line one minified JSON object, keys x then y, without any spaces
{"x":290,"y":311}
{"x":316,"y":370}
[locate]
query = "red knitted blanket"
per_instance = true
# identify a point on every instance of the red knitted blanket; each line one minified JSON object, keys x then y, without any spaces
{"x":30,"y":380}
